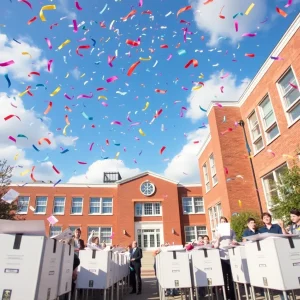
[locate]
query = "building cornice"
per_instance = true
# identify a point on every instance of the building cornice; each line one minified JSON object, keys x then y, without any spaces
{"x":204,"y":145}
{"x":64,"y":185}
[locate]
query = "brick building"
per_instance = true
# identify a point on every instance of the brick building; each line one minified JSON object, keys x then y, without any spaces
{"x":152,"y":209}
{"x":148,"y":208}
{"x":270,"y":111}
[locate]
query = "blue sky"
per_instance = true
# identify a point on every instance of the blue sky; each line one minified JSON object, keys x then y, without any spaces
{"x":217,"y":49}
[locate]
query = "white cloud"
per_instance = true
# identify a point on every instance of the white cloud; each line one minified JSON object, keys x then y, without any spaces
{"x":64,"y":8}
{"x":184,"y":166}
{"x":95,"y":171}
{"x":75,"y":73}
{"x":208,"y":19}
{"x":211,"y":91}
{"x":11,"y":50}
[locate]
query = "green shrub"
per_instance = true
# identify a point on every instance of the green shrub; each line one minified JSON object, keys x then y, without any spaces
{"x":239,"y":222}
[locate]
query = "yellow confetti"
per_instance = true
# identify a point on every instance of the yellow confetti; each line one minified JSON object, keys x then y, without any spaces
{"x":23,"y":93}
{"x":24,"y":172}
{"x":16,"y":156}
{"x":55,"y":92}
{"x":65,"y":129}
{"x":198,"y":87}
{"x":117,"y":155}
{"x":82,"y":75}
{"x":249,"y":9}
{"x":240,"y":203}
{"x":145,"y":59}
{"x":146,"y":106}
{"x":66,"y":42}
{"x":201,"y":75}
{"x":26,"y":53}
{"x":142,"y":132}
{"x":288,"y":156}
{"x":102,"y":97}
{"x":46,"y":7}
{"x":67,"y":75}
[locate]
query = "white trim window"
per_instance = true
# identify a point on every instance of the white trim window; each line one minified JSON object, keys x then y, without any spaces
{"x":55,"y":230}
{"x":193,"y":232}
{"x":144,"y":209}
{"x":103,"y":233}
{"x":23,"y":203}
{"x":215,"y":213}
{"x":77,"y":203}
{"x":41,"y":205}
{"x":268,"y":119}
{"x":193,"y":205}
{"x":255,"y":133}
{"x":270,"y":183}
{"x":206,"y":178}
{"x":213,"y":171}
{"x":100,"y":206}
{"x":290,"y":95}
{"x":59,"y":205}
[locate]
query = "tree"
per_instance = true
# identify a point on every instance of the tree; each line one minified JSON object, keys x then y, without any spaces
{"x":7,"y":211}
{"x":239,"y":222}
{"x":288,"y":195}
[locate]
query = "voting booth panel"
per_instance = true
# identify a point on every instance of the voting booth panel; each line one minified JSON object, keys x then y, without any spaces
{"x":274,"y":263}
{"x":173,"y":270}
{"x":239,"y":265}
{"x":29,"y":267}
{"x":95,"y":270}
{"x":66,"y":270}
{"x":206,"y":267}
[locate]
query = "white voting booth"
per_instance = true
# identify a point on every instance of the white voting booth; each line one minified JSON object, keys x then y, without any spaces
{"x":239,"y":265}
{"x":29,"y":262}
{"x":274,"y":261}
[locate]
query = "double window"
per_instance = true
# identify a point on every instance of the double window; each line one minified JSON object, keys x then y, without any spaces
{"x":55,"y":230}
{"x":23,"y":203}
{"x":76,"y":208}
{"x":206,"y":178}
{"x":215,"y":213}
{"x":290,"y":94}
{"x":255,"y":133}
{"x":271,"y":182}
{"x":41,"y":205}
{"x":59,"y":205}
{"x":213,"y":171}
{"x":147,"y":209}
{"x":103,"y":233}
{"x":193,"y":232}
{"x":192,"y":205}
{"x":269,"y":120}
{"x":100,"y":206}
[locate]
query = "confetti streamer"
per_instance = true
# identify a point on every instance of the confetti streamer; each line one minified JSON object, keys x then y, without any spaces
{"x":289,"y":3}
{"x":132,"y":68}
{"x":56,"y":183}
{"x":192,"y":61}
{"x":44,"y":139}
{"x":66,"y":42}
{"x":102,"y":97}
{"x":133,"y":43}
{"x":142,"y":132}
{"x":48,"y":108}
{"x":10,"y":116}
{"x":116,"y":123}
{"x":7,"y":63}
{"x":160,"y":91}
{"x":32,"y":20}
{"x":103,"y":10}
{"x":181,"y":10}
{"x":112,"y":79}
{"x":49,"y":43}
{"x":204,"y":110}
{"x":54,"y":168}
{"x":250,"y":55}
{"x":146,"y":106}
{"x":91,"y":147}
{"x":65,"y":129}
{"x":249,"y":34}
{"x":46,"y":7}
{"x":85,"y":96}
{"x":281,"y":12}
{"x":164,"y":46}
{"x":26,"y":2}
{"x":132,"y":13}
{"x":64,"y":151}
{"x":12,"y":139}
{"x":24,"y":172}
{"x":162,"y":150}
{"x":181,"y":52}
{"x":22,"y":136}
{"x":249,"y":9}
{"x":55,"y":91}
{"x":31,"y":175}
{"x":81,"y":47}
{"x":86,"y":116}
{"x":78,"y":6}
{"x":75,"y":26}
{"x":236,"y":25}
{"x":35,"y":148}
{"x":49,"y":64}
{"x":140,"y":3}
{"x":8,"y":80}
{"x":82,"y":162}
{"x":271,"y":152}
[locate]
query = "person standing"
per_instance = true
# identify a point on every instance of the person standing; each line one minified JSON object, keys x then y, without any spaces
{"x":251,"y":230}
{"x":295,"y":218}
{"x":135,"y":263}
{"x":223,"y":241}
{"x":78,"y":242}
{"x":269,"y":227}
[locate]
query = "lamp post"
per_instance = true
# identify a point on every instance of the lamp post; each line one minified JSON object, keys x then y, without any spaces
{"x":242,"y":124}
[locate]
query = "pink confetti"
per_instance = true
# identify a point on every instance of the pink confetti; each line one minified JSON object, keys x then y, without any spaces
{"x":68,"y":97}
{"x":85,"y":96}
{"x":236,"y":25}
{"x":289,"y":3}
{"x":26,"y":2}
{"x":222,"y":89}
{"x":7,"y":63}
{"x":116,"y":123}
{"x":82,"y":162}
{"x":140,"y":3}
{"x":249,"y":34}
{"x":170,"y":56}
{"x":75,"y":26}
{"x":270,"y":151}
{"x":135,"y":124}
{"x":52,"y":220}
{"x":91,"y":147}
{"x":49,"y":64}
{"x":225,"y":75}
{"x":12,"y":139}
{"x":111,"y":79}
{"x":293,"y":86}
{"x":104,"y":104}
{"x":128,"y":118}
{"x":49,"y":43}
{"x":78,"y":6}
{"x":219,"y":105}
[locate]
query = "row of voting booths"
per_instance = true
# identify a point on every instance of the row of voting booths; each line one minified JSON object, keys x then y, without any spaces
{"x":34,"y":267}
{"x":267,"y":261}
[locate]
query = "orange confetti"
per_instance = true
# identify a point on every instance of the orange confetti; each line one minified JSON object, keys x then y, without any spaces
{"x":192,"y":61}
{"x":44,"y":139}
{"x":208,"y":1}
{"x":281,"y":12}
{"x":133,"y":12}
{"x":160,"y":91}
{"x":164,"y":46}
{"x":133,"y":66}
{"x":220,"y":14}
{"x":31,"y":20}
{"x":181,"y":10}
{"x":48,"y":108}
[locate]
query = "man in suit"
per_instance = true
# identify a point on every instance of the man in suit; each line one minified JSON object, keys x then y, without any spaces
{"x":136,"y":255}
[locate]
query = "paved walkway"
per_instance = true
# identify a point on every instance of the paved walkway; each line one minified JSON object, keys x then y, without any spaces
{"x":149,"y":292}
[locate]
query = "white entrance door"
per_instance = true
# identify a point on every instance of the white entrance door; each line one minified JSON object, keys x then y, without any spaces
{"x":149,"y":239}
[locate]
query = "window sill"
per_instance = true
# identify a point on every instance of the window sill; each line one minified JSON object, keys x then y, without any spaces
{"x":215,"y":184}
{"x":22,"y":213}
{"x":39,"y":213}
{"x":148,"y":216}
{"x":294,"y":122}
{"x":76,"y":214}
{"x":100,"y":214}
{"x":58,"y":214}
{"x":271,"y":141}
{"x":206,"y":191}
{"x":201,"y":213}
{"x":259,"y":151}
